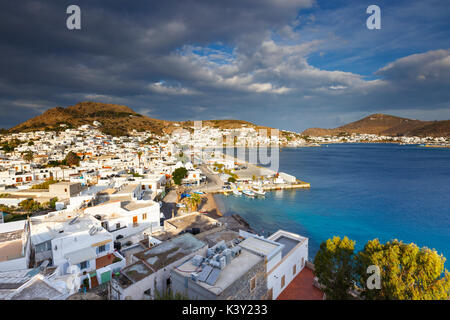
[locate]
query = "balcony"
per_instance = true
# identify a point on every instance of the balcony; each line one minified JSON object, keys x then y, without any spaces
{"x":111,"y":259}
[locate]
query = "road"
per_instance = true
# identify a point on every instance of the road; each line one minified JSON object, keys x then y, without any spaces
{"x":213,"y":181}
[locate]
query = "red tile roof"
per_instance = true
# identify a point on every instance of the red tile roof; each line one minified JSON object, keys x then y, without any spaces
{"x":302,"y":288}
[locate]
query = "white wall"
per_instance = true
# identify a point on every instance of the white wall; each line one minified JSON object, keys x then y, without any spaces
{"x":286,"y":268}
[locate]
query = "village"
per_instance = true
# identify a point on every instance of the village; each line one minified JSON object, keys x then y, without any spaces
{"x":91,"y":216}
{"x":86,"y":215}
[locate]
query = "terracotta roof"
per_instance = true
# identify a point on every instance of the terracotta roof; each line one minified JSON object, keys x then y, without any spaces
{"x":302,"y":288}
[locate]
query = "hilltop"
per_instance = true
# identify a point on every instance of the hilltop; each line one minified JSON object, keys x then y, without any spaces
{"x":115,"y":120}
{"x":383,"y":124}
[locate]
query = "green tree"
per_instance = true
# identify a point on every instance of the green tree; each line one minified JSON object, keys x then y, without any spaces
{"x":232,"y":179}
{"x":30,"y":205}
{"x":194,"y":201}
{"x":407,"y":271}
{"x":72,"y":159}
{"x":28,"y":156}
{"x":179,"y":175}
{"x":334,"y":267}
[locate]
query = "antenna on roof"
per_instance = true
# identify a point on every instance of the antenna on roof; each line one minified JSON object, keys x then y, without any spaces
{"x":74,"y":220}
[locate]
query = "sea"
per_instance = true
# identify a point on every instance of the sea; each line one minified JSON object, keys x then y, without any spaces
{"x":362,"y":191}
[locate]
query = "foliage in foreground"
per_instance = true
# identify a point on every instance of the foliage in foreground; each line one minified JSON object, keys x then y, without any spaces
{"x":406,"y":271}
{"x":334,"y":267}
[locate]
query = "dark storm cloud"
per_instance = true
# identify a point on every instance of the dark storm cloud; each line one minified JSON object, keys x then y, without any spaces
{"x":190,"y":59}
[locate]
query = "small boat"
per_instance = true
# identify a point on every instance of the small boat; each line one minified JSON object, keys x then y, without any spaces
{"x":248,"y":193}
{"x":199,"y":192}
{"x":259,"y":192}
{"x":237,"y":192}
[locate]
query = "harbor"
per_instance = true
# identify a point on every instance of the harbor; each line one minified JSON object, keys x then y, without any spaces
{"x":243,"y":177}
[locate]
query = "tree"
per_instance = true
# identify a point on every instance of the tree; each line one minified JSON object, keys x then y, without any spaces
{"x":194,"y":201}
{"x":232,"y":179}
{"x":179,"y":175}
{"x":334,"y":267}
{"x":28,"y":156}
{"x":406,"y":271}
{"x":72,"y":159}
{"x":139,"y":154}
{"x":30,"y":205}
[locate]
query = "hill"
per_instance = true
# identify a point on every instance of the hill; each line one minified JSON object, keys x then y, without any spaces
{"x":115,"y":119}
{"x":382,"y":124}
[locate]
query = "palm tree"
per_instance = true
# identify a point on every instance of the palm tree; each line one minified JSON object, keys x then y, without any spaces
{"x":194,"y":201}
{"x":139,"y":154}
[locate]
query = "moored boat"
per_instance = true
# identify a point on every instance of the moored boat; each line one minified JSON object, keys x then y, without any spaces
{"x":259,"y":192}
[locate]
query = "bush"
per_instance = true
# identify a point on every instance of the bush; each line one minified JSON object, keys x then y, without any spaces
{"x":44,"y":185}
{"x":30,"y":205}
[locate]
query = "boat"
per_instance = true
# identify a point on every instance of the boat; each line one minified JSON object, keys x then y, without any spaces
{"x":259,"y":192}
{"x":237,"y":192}
{"x":248,"y":193}
{"x":199,"y":192}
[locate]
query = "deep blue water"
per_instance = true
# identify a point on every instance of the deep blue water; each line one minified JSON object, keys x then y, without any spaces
{"x":363,"y":191}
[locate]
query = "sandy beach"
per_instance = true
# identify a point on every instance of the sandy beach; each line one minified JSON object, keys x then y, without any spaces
{"x":209,"y":205}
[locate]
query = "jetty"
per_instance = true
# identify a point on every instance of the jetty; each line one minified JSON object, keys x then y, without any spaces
{"x":250,"y":175}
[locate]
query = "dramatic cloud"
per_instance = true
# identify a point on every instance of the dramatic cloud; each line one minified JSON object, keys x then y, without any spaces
{"x":290,"y":64}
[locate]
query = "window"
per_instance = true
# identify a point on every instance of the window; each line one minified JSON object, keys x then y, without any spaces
{"x":303,"y":262}
{"x":101,"y":248}
{"x":84,"y":265}
{"x":144,"y":216}
{"x":117,"y":225}
{"x":283,"y":281}
{"x":294,"y":270}
{"x":65,"y":190}
{"x":253,"y":283}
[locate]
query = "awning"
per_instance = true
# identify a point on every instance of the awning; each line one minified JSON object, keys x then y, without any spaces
{"x":78,"y":256}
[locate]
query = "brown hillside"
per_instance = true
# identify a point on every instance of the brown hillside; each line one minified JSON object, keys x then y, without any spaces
{"x":383,"y":124}
{"x":115,"y":120}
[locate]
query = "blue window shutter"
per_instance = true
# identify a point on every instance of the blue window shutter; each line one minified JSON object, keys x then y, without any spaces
{"x":87,"y":264}
{"x":97,"y":250}
{"x":107,"y":247}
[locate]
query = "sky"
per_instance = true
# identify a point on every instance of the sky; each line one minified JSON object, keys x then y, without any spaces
{"x":289,"y":64}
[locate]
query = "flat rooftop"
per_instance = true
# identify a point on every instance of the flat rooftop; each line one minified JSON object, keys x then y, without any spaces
{"x":260,"y":246}
{"x":215,"y":237}
{"x":230,"y":274}
{"x":170,"y":251}
{"x":134,"y":205}
{"x":135,"y":272}
{"x":287,"y":239}
{"x":193,"y":220}
{"x":48,"y":227}
{"x":288,"y":243}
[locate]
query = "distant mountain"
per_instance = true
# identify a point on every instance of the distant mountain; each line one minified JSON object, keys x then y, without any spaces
{"x":115,"y":119}
{"x":383,"y":124}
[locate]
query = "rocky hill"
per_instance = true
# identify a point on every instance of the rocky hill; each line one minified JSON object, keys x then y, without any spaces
{"x":388,"y":125}
{"x":115,"y":120}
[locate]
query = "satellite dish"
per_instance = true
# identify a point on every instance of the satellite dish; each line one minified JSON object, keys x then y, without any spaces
{"x":93,"y":231}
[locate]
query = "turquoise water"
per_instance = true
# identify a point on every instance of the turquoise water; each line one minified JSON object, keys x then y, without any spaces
{"x":363,"y":191}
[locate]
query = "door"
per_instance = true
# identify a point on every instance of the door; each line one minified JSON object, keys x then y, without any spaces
{"x":106,"y":276}
{"x":135,"y":220}
{"x":270,"y":294}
